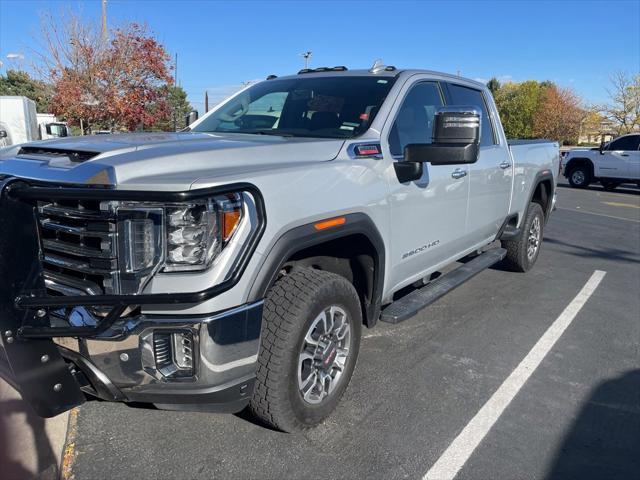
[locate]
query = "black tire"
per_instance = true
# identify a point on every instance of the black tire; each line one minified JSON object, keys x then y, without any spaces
{"x":290,"y":309}
{"x":579,"y":176}
{"x":609,"y":185}
{"x":518,"y":257}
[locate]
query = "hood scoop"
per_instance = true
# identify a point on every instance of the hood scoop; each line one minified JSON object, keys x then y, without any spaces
{"x":57,"y":156}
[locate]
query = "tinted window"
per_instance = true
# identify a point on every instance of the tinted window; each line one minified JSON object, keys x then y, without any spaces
{"x":414,"y":122}
{"x":625,"y":143}
{"x":468,"y":96}
{"x":327,"y":107}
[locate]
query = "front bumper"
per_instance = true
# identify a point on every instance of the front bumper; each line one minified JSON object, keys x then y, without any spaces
{"x":225,"y":354}
{"x":121,"y":365}
{"x":114,"y":358}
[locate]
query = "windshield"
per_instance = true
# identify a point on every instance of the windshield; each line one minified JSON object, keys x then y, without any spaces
{"x":325,"y":107}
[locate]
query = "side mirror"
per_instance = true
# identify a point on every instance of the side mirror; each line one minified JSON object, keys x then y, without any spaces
{"x":3,"y":134}
{"x":456,"y":138}
{"x":601,"y":148}
{"x":191,"y":117}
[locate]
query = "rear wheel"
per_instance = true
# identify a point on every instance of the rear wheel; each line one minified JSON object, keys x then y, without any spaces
{"x":523,"y":251}
{"x":579,"y":176}
{"x":310,"y":342}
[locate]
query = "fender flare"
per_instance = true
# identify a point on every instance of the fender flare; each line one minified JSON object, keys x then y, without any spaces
{"x":305,"y":236}
{"x":542,"y":176}
{"x":575,"y":160}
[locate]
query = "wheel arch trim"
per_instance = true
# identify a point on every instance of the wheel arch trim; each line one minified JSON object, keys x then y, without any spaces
{"x":541,"y":177}
{"x":579,"y":160}
{"x":306,"y":236}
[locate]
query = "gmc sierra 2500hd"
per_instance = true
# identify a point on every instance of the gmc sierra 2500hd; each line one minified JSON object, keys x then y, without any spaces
{"x":235,"y":263}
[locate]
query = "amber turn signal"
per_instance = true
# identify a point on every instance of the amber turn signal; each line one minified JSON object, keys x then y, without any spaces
{"x":332,"y":222}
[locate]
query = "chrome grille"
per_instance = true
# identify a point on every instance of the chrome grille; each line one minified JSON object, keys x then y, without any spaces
{"x":79,"y":242}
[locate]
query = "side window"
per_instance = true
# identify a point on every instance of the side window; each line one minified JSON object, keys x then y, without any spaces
{"x":468,"y":96}
{"x":414,"y":121}
{"x":629,"y":142}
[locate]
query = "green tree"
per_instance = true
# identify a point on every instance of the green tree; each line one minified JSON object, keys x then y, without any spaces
{"x":494,"y":86}
{"x":517,"y":104}
{"x":20,"y":84}
{"x":179,"y":106}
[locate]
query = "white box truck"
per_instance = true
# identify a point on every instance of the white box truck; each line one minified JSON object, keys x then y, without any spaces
{"x":19,"y":122}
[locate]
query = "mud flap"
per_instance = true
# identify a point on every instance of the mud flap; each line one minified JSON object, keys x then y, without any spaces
{"x":38,"y":370}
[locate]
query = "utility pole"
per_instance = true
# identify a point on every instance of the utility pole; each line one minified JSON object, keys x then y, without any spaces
{"x":306,"y":56}
{"x":105,"y":37}
{"x":175,"y":80}
{"x":173,"y":94}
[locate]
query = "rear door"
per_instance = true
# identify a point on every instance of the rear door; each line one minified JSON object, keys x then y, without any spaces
{"x":491,"y":177}
{"x":428,"y":215}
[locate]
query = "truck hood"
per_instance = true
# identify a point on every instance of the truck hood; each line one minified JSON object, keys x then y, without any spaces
{"x":159,"y":161}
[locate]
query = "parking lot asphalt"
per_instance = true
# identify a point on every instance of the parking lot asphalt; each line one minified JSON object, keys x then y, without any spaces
{"x":418,"y":384}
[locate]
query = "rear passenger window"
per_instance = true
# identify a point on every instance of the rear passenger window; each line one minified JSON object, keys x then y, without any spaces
{"x":468,"y":96}
{"x":414,"y":122}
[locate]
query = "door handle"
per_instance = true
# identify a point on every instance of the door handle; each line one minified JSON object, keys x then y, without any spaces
{"x":624,"y":155}
{"x":458,"y":173}
{"x":504,"y":165}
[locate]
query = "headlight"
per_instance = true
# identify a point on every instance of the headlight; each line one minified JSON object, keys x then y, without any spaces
{"x":171,"y":237}
{"x":198,"y":231}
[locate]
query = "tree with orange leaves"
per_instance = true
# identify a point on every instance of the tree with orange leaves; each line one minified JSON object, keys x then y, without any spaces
{"x":558,"y":115}
{"x":118,"y":84}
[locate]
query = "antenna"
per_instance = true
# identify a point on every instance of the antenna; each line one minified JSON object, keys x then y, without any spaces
{"x":306,"y":56}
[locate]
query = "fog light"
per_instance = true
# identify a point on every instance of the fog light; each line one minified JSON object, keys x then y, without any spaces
{"x":174,"y":353}
{"x":183,"y":350}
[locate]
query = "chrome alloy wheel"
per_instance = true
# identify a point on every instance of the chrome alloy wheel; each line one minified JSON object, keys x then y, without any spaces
{"x":534,"y":239}
{"x":324,"y":355}
{"x":578,"y":177}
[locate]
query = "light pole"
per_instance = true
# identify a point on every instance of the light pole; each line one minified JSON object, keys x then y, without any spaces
{"x":306,"y":56}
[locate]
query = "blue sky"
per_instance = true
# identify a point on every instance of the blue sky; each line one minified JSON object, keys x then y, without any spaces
{"x":221,"y":44}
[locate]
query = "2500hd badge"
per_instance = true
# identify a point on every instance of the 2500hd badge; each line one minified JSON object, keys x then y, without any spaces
{"x":420,"y":249}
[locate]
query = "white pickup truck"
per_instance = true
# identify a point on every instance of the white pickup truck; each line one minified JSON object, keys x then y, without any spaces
{"x":235,"y":264}
{"x":614,"y":163}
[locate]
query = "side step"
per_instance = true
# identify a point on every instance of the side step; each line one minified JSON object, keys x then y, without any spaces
{"x":407,"y":306}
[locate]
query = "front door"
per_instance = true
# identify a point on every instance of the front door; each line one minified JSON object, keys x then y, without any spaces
{"x":616,"y":161}
{"x":428,"y":216}
{"x":491,"y":177}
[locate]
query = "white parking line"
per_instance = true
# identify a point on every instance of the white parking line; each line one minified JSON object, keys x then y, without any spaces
{"x":459,"y":451}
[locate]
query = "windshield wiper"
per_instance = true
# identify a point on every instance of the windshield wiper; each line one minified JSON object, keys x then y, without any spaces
{"x":273,"y":132}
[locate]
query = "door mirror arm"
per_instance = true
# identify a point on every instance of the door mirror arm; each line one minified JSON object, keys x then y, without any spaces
{"x":601,"y":149}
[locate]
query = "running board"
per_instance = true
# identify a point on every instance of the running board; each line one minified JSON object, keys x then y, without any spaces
{"x":407,"y":306}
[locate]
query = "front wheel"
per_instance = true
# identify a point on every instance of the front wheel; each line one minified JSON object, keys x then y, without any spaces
{"x":523,"y":251}
{"x":579,"y":176}
{"x":310,"y":342}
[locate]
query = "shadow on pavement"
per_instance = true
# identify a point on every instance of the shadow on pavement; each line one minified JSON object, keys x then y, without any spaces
{"x":613,"y":254}
{"x":47,"y":462}
{"x":604,"y":440}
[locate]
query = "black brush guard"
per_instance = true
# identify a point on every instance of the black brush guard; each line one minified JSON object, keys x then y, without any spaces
{"x":39,"y":370}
